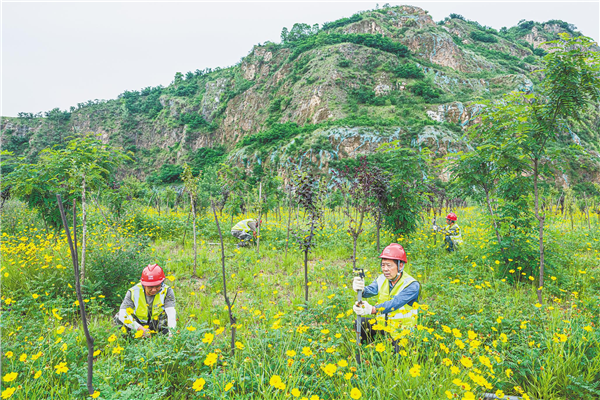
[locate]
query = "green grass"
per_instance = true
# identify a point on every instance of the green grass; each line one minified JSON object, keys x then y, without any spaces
{"x":464,"y":292}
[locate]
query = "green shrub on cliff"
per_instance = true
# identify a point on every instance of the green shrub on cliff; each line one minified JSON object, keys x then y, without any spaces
{"x":483,"y":37}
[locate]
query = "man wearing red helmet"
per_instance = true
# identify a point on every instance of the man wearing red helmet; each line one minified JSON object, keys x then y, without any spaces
{"x":149,"y":305}
{"x":397,"y":292}
{"x":451,"y":232}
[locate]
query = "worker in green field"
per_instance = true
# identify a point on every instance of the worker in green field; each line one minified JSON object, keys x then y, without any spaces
{"x":453,"y":238}
{"x":396,"y":291}
{"x":245,"y":231}
{"x":149,"y":306}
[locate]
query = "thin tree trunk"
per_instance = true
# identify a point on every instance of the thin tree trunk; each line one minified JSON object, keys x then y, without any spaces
{"x":354,"y":239}
{"x":259,"y":219}
{"x":84,"y":231}
{"x":232,"y":319}
{"x":306,"y":250}
{"x":587,"y":212}
{"x":185,"y":230}
{"x":194,"y":230}
{"x":88,"y":338}
{"x":378,"y":246}
{"x":306,"y":275}
{"x":540,"y":218}
{"x":571,"y":217}
{"x":435,"y":222}
{"x":489,"y":204}
{"x":287,"y":240}
{"x":75,"y":227}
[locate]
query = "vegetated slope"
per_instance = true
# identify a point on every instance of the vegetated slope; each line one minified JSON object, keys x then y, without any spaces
{"x":323,"y":93}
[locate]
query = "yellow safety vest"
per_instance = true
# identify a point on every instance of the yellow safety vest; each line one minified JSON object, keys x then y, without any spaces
{"x":454,"y":232}
{"x":405,"y":316}
{"x":138,"y":296}
{"x":242,"y":225}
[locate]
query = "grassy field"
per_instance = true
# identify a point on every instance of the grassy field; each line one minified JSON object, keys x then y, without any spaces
{"x":478,"y":332}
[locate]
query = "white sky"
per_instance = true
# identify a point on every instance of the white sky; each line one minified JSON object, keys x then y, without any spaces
{"x":58,"y":54}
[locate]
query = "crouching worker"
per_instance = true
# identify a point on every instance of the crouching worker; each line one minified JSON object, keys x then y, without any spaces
{"x":245,"y":231}
{"x":149,"y":306}
{"x":453,"y":238}
{"x":396,"y":293}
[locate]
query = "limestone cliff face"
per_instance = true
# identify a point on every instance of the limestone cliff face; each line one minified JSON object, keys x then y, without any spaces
{"x":370,"y":26}
{"x":537,"y":36}
{"x":410,"y":17}
{"x":462,"y":30}
{"x":456,"y":112}
{"x":438,"y":48}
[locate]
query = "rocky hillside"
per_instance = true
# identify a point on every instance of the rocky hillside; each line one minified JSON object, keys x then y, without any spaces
{"x":323,"y":93}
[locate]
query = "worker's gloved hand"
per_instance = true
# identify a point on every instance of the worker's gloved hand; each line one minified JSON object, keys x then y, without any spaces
{"x":436,"y":228}
{"x":364,"y":308}
{"x":358,"y":283}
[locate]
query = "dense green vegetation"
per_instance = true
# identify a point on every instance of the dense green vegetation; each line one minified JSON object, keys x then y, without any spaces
{"x":342,"y":22}
{"x":470,"y":311}
{"x":378,"y":42}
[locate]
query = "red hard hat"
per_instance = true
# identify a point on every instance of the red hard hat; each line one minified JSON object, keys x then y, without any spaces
{"x":394,"y":252}
{"x":152,"y":275}
{"x":451,"y":217}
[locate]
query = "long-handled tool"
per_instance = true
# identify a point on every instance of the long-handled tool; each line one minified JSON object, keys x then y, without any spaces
{"x":361,"y":273}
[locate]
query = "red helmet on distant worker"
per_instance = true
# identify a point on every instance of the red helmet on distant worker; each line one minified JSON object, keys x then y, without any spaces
{"x":394,"y":252}
{"x":152,"y":275}
{"x":451,"y":217}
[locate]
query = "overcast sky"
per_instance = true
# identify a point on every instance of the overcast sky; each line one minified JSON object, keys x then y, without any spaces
{"x":59,"y":54}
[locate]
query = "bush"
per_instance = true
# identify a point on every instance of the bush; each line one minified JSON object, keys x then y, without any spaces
{"x":186,"y":90}
{"x":342,"y":22}
{"x":111,"y":273}
{"x":364,"y":95}
{"x":378,"y":42}
{"x":457,"y":16}
{"x":529,"y":59}
{"x":276,"y":134}
{"x":145,"y":102}
{"x":206,"y":156}
{"x":168,"y":173}
{"x":409,"y":71}
{"x":344,"y":63}
{"x":425,"y":90}
{"x":193,"y":121}
{"x":483,"y":37}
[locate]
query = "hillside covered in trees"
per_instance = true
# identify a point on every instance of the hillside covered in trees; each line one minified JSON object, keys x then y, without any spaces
{"x":324,"y":93}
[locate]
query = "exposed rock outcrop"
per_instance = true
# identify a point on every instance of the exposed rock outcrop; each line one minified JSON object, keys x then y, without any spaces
{"x":456,"y":112}
{"x":439,"y":48}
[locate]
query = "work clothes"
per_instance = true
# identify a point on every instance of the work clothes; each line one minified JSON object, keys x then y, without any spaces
{"x":245,"y":225}
{"x":244,"y":237}
{"x":395,"y":302}
{"x":453,"y":237}
{"x":139,"y":309}
{"x":242,"y":230}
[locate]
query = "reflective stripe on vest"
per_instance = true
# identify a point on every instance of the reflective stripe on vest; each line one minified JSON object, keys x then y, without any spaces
{"x":405,"y":315}
{"x":138,"y":296}
{"x":454,"y":232}
{"x":242,"y":225}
